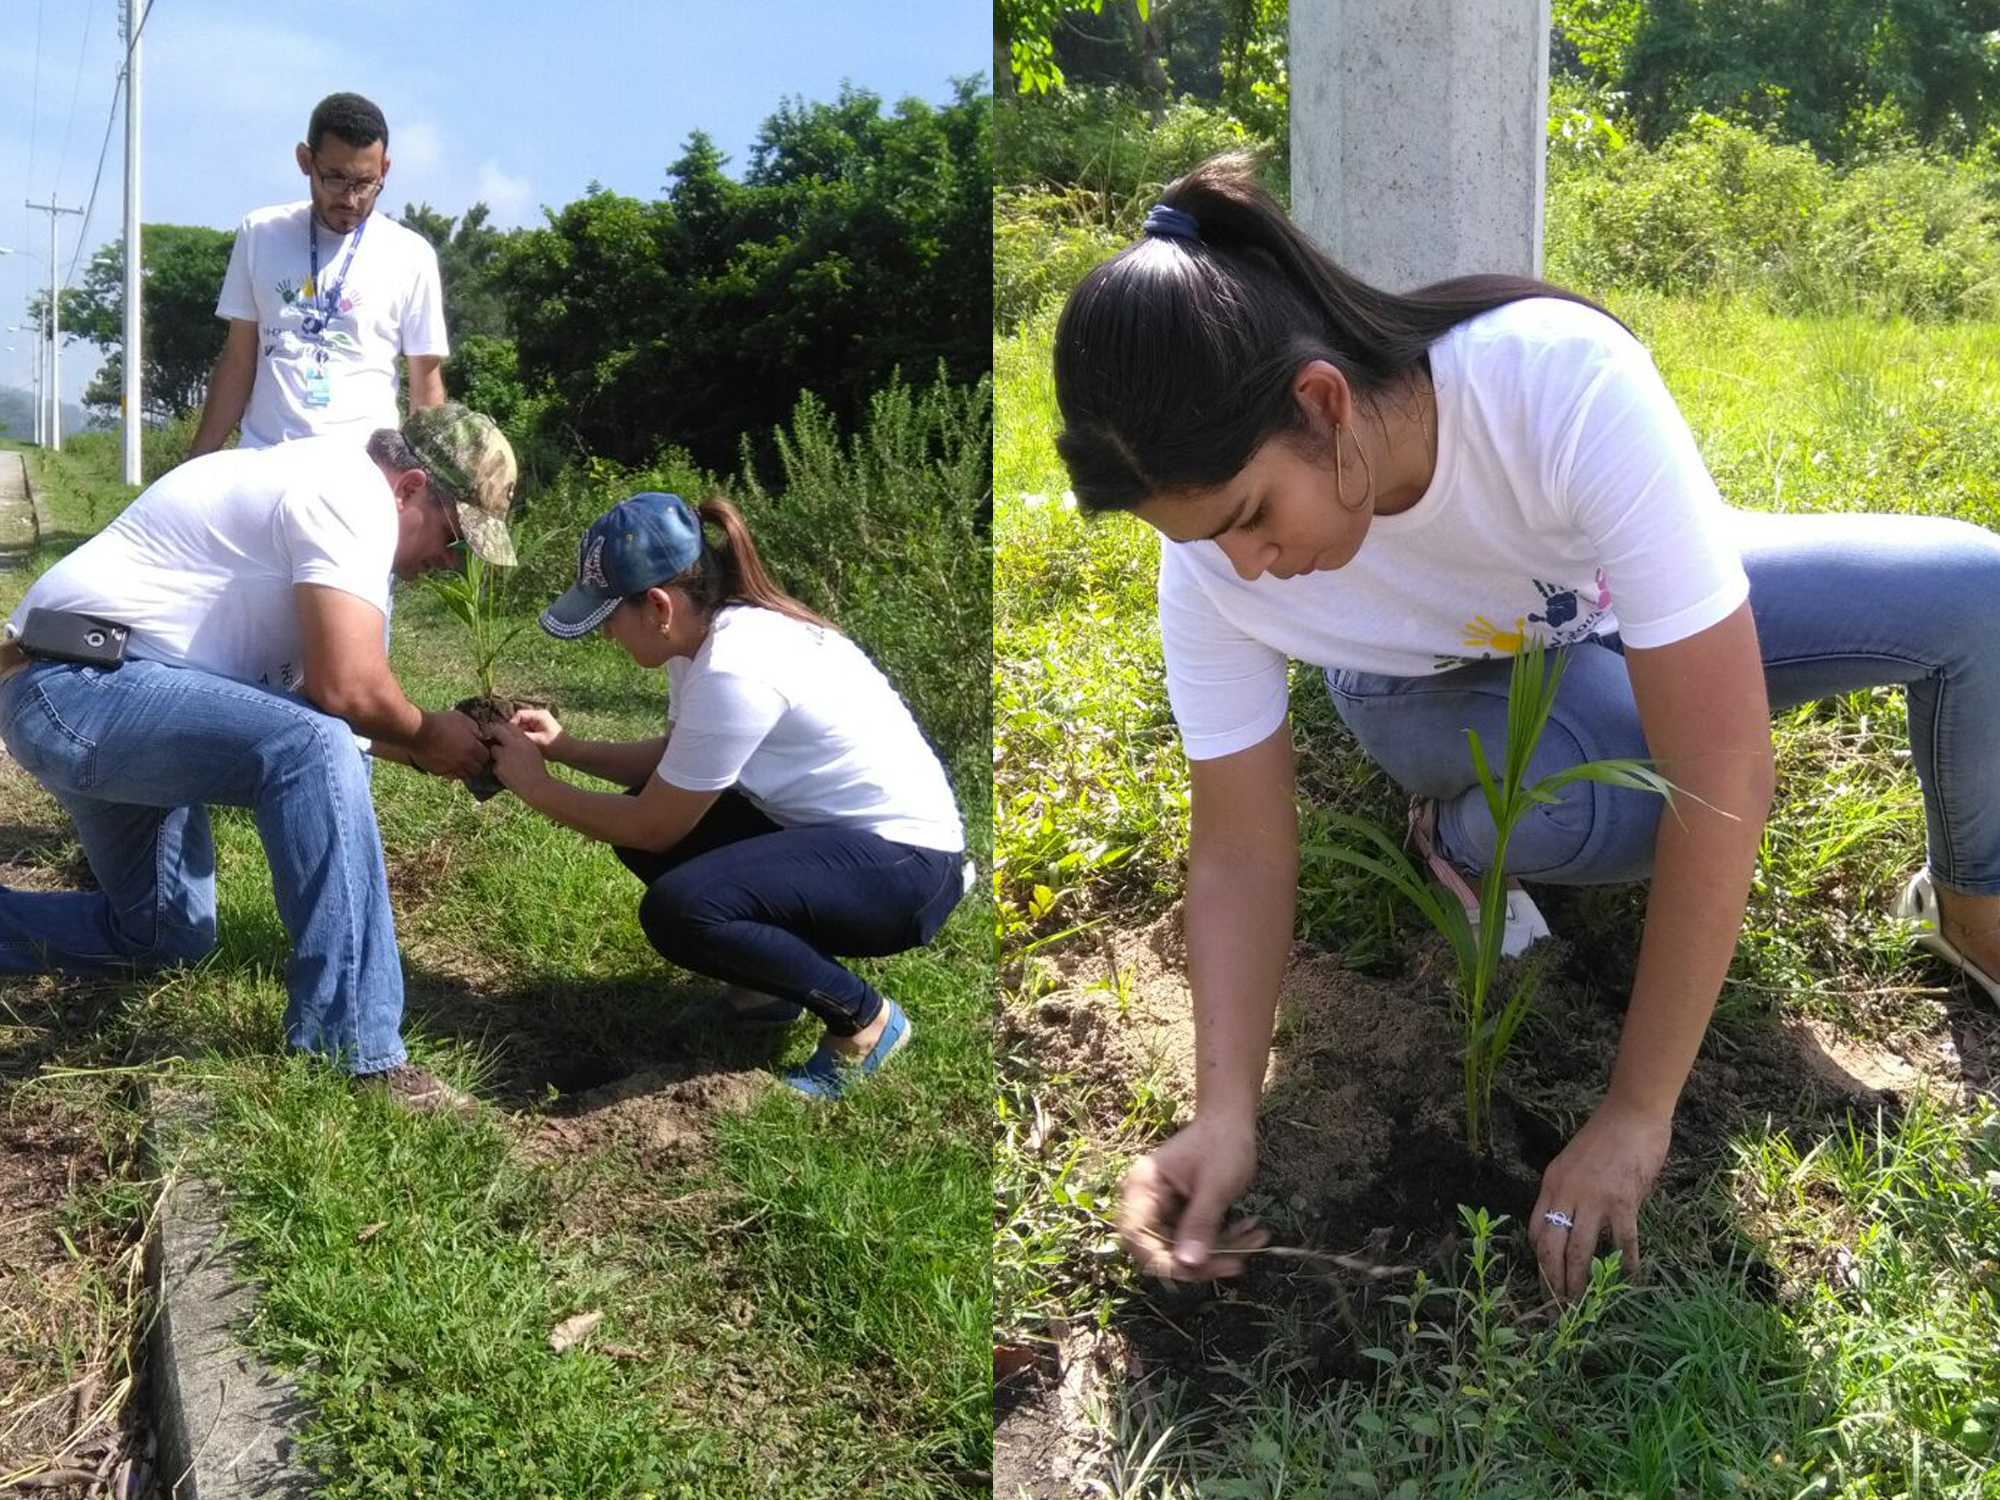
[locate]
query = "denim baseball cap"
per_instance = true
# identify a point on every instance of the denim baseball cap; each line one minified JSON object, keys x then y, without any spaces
{"x":639,"y":543}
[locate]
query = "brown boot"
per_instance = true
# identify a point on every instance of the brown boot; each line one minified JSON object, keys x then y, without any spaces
{"x":416,"y":1090}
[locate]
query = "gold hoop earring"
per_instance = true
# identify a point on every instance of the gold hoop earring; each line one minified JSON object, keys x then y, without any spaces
{"x":1339,"y":471}
{"x":1368,"y":471}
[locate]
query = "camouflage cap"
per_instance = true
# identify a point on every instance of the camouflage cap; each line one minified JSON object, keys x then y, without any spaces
{"x":472,"y":462}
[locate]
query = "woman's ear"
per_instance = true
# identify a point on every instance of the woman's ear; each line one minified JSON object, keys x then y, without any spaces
{"x":1324,"y":395}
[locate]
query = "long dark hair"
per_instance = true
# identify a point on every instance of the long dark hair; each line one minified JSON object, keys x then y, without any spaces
{"x":729,"y":571}
{"x":1174,"y":360}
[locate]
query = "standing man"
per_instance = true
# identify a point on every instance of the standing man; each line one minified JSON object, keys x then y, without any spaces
{"x":254,"y":589}
{"x":321,"y":296}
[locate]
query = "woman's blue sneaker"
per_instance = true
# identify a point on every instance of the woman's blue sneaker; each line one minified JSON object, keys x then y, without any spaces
{"x":828,"y":1074}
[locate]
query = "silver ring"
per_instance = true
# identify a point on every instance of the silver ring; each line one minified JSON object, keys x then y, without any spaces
{"x":1558,"y":1218}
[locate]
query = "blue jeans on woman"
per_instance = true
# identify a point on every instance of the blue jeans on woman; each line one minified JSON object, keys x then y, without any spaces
{"x":751,"y":903}
{"x":137,"y":755}
{"x":1841,"y":601}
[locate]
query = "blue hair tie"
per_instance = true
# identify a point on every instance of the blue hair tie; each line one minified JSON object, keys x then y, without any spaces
{"x":1166,"y":223}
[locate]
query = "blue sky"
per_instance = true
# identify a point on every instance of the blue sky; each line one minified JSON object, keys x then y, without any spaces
{"x":521,"y":103}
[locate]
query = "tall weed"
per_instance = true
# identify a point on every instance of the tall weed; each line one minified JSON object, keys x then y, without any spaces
{"x":888,"y":532}
{"x":1719,"y":208}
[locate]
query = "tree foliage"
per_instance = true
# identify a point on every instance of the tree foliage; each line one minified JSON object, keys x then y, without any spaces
{"x":469,"y":252}
{"x":1842,"y":75}
{"x":182,"y":266}
{"x":857,"y":243}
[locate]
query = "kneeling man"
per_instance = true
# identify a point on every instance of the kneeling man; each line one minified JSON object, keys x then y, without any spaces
{"x":254,"y":585}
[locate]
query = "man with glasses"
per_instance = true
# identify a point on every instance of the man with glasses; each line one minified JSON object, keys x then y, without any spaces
{"x":252,"y":588}
{"x":322,"y":296}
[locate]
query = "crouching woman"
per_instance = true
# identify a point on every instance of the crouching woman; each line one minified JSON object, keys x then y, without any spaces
{"x":792,"y":811}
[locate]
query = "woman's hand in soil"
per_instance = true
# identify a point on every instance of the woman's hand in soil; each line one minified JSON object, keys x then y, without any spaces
{"x":447,"y":743}
{"x":1171,"y":1205}
{"x":540,"y":727}
{"x":1599,"y":1180}
{"x":517,"y":760}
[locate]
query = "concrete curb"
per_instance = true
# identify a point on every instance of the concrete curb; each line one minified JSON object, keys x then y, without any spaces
{"x":38,"y":521}
{"x":227,"y":1422}
{"x":43,"y":527}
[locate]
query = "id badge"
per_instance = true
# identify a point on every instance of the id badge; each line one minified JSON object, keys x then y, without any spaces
{"x":317,"y":391}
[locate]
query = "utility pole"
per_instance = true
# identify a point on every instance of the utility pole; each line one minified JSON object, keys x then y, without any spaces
{"x":52,"y":209}
{"x":134,"y":405}
{"x":41,"y":406}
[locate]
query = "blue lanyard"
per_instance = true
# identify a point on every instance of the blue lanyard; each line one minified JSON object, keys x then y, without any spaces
{"x":327,"y":299}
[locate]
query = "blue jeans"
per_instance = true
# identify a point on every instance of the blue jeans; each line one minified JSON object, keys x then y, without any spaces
{"x":745,"y":901}
{"x":137,"y":755}
{"x":1842,"y":602}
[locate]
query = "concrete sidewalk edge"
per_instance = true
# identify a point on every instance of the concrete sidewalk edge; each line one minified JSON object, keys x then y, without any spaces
{"x":228,"y":1423}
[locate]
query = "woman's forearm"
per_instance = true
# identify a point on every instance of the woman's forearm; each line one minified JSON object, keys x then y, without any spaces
{"x":1694,"y":915}
{"x":621,"y":762}
{"x":1240,"y":905}
{"x":1243,"y":886}
{"x":604,"y":816}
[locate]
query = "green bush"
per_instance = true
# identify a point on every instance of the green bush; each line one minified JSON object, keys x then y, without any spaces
{"x":888,"y":533}
{"x":1042,"y":246}
{"x":1721,"y":209}
{"x":166,"y":446}
{"x":1106,"y":142}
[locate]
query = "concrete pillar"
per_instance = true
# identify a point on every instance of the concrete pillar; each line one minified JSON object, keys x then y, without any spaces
{"x":1417,"y":134}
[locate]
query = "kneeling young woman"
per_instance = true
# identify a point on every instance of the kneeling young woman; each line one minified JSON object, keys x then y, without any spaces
{"x":792,"y":811}
{"x":1406,"y":489}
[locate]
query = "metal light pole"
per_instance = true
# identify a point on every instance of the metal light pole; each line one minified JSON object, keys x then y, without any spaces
{"x":133,"y":403}
{"x":52,"y":209}
{"x":35,"y":378}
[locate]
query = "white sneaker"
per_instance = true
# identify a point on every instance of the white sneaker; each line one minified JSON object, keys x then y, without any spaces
{"x":1525,"y":924}
{"x":1918,"y":905}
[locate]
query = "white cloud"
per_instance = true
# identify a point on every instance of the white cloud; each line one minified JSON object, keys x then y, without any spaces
{"x":511,"y":198}
{"x":417,"y":149}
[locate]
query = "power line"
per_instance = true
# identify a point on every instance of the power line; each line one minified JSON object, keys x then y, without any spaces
{"x":75,"y":91}
{"x":83,"y":230}
{"x":34,"y":111}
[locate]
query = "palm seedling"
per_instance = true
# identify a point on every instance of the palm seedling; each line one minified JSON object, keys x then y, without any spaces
{"x":1489,"y":1027}
{"x":474,"y":595}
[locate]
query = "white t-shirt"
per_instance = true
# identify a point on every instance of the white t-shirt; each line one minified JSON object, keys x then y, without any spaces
{"x":201,"y":566}
{"x":1568,"y":500}
{"x":800,"y":721}
{"x":326,"y":363}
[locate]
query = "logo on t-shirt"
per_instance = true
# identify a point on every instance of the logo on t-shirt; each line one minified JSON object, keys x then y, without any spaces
{"x":1567,"y":616}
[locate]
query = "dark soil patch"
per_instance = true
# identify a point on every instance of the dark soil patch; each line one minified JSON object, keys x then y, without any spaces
{"x":485,"y":711}
{"x":1027,"y":1437}
{"x":57,"y":1375}
{"x":1361,"y":1153}
{"x":664,"y":1117}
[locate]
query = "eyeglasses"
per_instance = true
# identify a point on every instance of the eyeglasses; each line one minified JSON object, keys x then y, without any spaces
{"x":449,"y":508}
{"x":343,"y":186}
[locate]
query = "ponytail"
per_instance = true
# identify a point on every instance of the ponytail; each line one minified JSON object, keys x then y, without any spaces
{"x":729,"y":571}
{"x":1174,"y":360}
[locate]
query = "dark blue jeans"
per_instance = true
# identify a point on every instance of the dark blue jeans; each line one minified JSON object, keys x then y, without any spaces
{"x":745,"y":901}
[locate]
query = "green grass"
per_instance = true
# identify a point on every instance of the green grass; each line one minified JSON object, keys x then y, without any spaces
{"x":800,"y":1296}
{"x":1821,"y":1308}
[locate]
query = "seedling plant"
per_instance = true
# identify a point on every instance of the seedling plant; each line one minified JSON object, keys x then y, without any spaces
{"x":1489,"y":1028}
{"x":474,"y":595}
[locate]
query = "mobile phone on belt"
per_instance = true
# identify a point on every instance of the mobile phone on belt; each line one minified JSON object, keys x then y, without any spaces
{"x":62,"y":635}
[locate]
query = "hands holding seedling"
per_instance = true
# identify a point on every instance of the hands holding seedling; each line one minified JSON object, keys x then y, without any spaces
{"x":1597,"y":1182}
{"x":540,"y":728}
{"x":1171,"y":1205}
{"x":517,"y":757}
{"x":447,"y":743}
